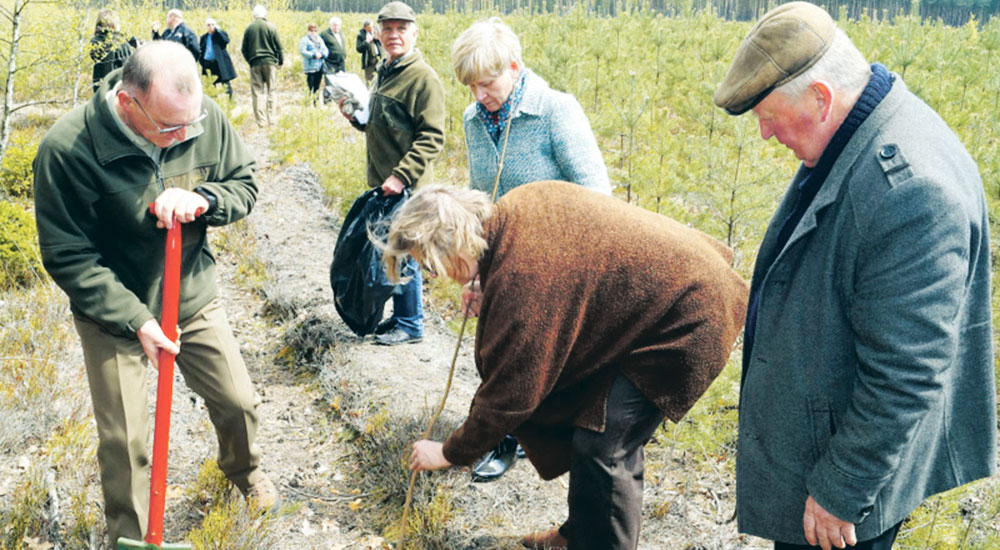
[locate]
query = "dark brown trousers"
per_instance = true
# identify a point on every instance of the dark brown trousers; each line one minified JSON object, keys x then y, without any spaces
{"x":606,"y":469}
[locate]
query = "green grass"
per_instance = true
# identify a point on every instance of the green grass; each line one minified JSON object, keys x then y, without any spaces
{"x":237,"y":241}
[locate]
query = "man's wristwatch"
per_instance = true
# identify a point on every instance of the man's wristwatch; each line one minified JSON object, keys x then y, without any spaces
{"x":213,"y":201}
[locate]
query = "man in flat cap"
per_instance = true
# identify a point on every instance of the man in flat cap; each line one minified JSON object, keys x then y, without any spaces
{"x":868,"y":380}
{"x":404,"y":133}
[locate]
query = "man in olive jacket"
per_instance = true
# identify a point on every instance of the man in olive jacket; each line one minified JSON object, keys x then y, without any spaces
{"x":148,"y":136}
{"x":262,"y":49}
{"x":405,"y":133}
{"x":868,"y":377}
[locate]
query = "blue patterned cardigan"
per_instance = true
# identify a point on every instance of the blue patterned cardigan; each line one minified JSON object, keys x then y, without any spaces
{"x":550,"y":139}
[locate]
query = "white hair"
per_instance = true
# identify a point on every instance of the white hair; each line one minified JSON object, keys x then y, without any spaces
{"x":176,"y":12}
{"x":409,"y":24}
{"x":211,"y":21}
{"x":259,"y":12}
{"x":843,"y":66}
{"x":336,"y":20}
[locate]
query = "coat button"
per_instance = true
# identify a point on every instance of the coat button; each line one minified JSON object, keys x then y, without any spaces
{"x":887,"y":151}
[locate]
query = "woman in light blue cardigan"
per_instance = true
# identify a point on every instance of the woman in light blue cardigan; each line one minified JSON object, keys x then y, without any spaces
{"x":313,"y":52}
{"x":550,"y":137}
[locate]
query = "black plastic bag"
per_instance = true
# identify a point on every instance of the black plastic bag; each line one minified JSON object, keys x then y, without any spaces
{"x":357,"y":275}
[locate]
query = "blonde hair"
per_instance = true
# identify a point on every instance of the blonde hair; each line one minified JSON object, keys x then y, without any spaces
{"x":107,"y":21}
{"x":312,"y":27}
{"x":436,"y":224}
{"x":485,"y":50}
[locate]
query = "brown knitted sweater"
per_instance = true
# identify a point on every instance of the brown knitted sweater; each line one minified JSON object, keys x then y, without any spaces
{"x":578,"y":287}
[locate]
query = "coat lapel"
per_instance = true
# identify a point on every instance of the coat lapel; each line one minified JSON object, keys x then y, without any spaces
{"x":835,"y":180}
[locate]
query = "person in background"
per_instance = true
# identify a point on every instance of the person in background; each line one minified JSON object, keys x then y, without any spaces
{"x":596,"y":319}
{"x":404,"y":133}
{"x":334,"y":40}
{"x":149,"y":135}
{"x":262,"y":49}
{"x":549,"y":136}
{"x":868,"y":376}
{"x":313,"y":52}
{"x":369,"y":45}
{"x":108,"y":47}
{"x":178,"y":32}
{"x":214,"y":57}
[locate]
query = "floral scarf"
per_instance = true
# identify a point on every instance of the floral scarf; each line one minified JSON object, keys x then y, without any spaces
{"x":496,"y":122}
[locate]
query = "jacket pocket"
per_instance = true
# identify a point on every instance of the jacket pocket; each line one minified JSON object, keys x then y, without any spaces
{"x":823,"y":423}
{"x":391,"y":113}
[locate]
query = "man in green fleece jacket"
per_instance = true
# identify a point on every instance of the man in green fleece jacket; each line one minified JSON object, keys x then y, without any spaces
{"x":148,"y":136}
{"x":405,"y":133}
{"x":262,"y":49}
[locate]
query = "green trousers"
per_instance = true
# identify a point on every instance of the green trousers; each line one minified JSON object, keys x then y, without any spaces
{"x":212,"y":367}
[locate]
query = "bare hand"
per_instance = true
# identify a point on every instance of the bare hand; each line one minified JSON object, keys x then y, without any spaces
{"x":472,"y":297}
{"x":182,"y":204}
{"x":155,"y":25}
{"x":393,"y":186}
{"x":340,"y":104}
{"x":153,"y":340}
{"x":825,"y":529}
{"x":428,"y":455}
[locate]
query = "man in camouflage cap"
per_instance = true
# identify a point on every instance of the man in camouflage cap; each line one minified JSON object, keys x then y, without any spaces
{"x":404,"y":133}
{"x":868,"y":378}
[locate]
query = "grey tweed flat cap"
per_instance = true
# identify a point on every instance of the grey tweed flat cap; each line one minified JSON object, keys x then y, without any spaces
{"x":396,"y":11}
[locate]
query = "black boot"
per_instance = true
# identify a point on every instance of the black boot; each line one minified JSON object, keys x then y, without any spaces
{"x":497,"y":461}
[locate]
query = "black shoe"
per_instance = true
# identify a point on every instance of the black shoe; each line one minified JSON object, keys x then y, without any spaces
{"x":385,"y":326}
{"x":397,"y":336}
{"x":496,"y":462}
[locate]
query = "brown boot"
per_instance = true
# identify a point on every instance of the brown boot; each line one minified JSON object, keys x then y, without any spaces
{"x":264,"y":495}
{"x":545,"y":540}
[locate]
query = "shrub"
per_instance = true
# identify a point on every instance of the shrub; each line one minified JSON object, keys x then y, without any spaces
{"x":18,"y":250}
{"x":234,"y":526}
{"x":15,"y":172}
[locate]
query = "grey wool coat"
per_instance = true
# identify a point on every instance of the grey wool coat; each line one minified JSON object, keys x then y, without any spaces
{"x":870,"y":385}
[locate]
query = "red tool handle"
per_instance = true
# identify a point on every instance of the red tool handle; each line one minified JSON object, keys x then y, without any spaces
{"x":164,"y":382}
{"x":164,"y":386}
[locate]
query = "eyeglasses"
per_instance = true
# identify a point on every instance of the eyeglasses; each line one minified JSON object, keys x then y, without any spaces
{"x":171,"y":129}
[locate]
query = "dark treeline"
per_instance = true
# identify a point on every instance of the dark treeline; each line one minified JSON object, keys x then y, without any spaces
{"x":951,"y":12}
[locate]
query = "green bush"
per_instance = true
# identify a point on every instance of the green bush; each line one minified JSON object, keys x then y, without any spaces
{"x":15,"y":172}
{"x":19,"y":256}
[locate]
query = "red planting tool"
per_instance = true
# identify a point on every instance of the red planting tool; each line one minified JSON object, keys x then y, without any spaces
{"x":164,"y":397}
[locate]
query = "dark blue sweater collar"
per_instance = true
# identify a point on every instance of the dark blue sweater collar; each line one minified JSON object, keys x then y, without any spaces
{"x":876,"y":90}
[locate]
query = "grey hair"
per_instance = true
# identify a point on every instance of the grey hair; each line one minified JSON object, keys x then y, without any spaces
{"x":176,"y":12}
{"x":409,"y":24}
{"x":843,"y":66}
{"x":211,"y":21}
{"x":336,"y":20}
{"x":259,"y":12}
{"x":366,"y":23}
{"x":161,"y":58}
